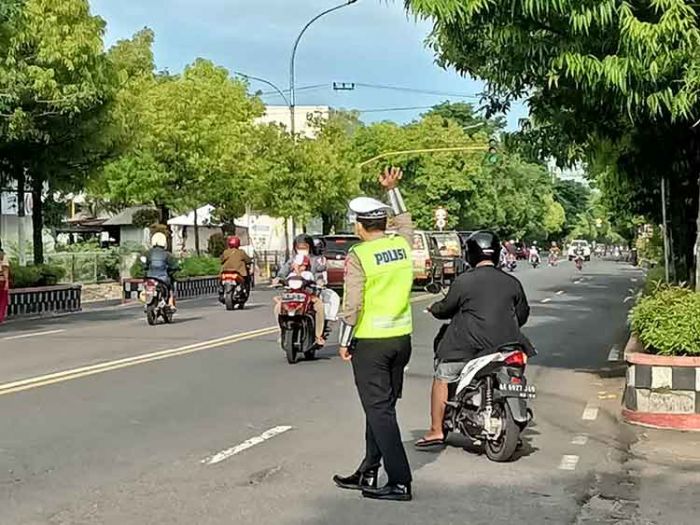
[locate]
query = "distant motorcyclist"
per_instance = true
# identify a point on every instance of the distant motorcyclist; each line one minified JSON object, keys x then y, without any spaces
{"x":161,"y":265}
{"x":234,"y":259}
{"x":487,"y":308}
{"x":554,"y":253}
{"x":534,"y":253}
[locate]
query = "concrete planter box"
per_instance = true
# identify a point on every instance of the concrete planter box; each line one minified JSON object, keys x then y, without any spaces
{"x":45,"y":300}
{"x":661,"y":391}
{"x":185,"y":288}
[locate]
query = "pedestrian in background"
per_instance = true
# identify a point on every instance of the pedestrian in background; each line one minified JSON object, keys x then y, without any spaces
{"x":4,"y":284}
{"x":375,"y":335}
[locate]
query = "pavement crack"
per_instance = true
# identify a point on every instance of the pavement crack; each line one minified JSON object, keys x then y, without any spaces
{"x":262,"y":476}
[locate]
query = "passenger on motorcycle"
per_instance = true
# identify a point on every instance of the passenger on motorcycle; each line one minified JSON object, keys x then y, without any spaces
{"x":161,"y":265}
{"x":303,"y":245}
{"x":236,"y":260}
{"x":486,"y":307}
{"x":300,"y":278}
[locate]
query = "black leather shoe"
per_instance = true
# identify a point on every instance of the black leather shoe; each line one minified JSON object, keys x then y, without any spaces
{"x":358,"y":480}
{"x":390,"y":493}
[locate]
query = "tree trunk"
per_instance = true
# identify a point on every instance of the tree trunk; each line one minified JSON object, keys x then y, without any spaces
{"x":196,"y":233}
{"x":327,"y":223}
{"x":164,"y":218}
{"x":38,"y":218}
{"x":21,"y":182}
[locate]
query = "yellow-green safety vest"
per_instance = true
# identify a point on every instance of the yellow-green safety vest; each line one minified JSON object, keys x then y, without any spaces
{"x":386,"y":298}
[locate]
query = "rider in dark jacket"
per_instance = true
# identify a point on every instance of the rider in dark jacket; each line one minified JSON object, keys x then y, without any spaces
{"x":487,"y":308}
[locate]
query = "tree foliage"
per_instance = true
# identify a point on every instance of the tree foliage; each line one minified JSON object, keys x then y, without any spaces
{"x":608,"y":81}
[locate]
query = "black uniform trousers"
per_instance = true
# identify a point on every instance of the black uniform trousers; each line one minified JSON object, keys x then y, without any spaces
{"x":378,"y":366}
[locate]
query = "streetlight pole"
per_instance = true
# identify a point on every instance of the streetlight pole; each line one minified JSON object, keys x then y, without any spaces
{"x":292,"y":92}
{"x":267,"y":82}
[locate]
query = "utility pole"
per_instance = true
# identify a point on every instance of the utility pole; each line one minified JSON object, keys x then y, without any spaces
{"x":664,"y":230}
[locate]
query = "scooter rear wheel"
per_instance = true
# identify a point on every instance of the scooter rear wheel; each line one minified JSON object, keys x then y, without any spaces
{"x":502,"y":450}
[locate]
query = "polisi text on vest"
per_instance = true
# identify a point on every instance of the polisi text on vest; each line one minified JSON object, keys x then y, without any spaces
{"x":390,"y":256}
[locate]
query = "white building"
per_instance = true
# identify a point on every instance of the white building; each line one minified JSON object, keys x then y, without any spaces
{"x":302,"y":117}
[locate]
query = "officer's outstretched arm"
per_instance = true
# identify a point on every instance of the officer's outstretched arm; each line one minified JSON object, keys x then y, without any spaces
{"x":352,"y":299}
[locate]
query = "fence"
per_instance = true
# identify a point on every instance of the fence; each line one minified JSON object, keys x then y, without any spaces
{"x":269,"y":262}
{"x":87,"y":267}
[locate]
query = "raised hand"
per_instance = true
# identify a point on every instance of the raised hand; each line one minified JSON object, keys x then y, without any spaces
{"x":390,"y":178}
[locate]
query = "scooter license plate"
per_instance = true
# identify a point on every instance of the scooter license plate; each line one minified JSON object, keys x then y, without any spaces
{"x":521,"y":391}
{"x":293,"y":297}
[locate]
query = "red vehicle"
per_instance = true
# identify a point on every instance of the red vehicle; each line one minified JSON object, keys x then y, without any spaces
{"x":234,"y":292}
{"x":155,"y":298}
{"x":297,"y":322}
{"x":337,"y":247}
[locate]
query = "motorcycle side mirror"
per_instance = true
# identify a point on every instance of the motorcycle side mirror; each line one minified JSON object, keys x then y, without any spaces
{"x":433,"y":288}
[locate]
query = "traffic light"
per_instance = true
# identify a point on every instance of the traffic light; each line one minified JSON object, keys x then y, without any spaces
{"x":492,"y":157}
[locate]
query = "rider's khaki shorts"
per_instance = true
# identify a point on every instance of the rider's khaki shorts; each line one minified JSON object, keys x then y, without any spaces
{"x":448,"y":372}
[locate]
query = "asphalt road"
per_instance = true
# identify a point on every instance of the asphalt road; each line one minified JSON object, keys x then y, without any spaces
{"x":105,"y":420}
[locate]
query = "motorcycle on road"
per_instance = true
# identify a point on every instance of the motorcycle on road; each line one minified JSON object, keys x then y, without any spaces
{"x":535,"y":260}
{"x":234,"y":292}
{"x":155,"y":298}
{"x":489,"y":403}
{"x":298,"y":323}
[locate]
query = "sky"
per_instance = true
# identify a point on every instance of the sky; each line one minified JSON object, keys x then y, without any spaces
{"x":370,"y":42}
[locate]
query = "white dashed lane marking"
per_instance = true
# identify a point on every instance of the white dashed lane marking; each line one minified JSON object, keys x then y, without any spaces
{"x":580,"y":440}
{"x":33,"y":334}
{"x":250,"y":443}
{"x":568,"y":462}
{"x":547,"y":300}
{"x":590,"y":413}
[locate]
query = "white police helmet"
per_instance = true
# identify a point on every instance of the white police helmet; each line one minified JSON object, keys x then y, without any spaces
{"x":368,"y":208}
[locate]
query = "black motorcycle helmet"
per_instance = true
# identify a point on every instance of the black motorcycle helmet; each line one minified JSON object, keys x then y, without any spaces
{"x":304,"y":239}
{"x":319,"y":247}
{"x":483,"y":246}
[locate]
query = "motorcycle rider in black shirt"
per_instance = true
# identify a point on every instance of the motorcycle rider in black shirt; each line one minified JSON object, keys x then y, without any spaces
{"x":487,"y":307}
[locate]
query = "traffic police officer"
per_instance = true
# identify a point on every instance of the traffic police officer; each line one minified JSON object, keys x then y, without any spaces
{"x":375,"y":335}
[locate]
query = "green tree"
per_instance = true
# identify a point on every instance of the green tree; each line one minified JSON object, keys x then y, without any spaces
{"x":56,"y":84}
{"x":190,"y":142}
{"x":573,"y":196}
{"x":624,"y":74}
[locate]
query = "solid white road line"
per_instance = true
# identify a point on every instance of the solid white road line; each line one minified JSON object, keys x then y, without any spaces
{"x":590,"y":413}
{"x":230,"y":452}
{"x":580,"y":440}
{"x":33,"y":334}
{"x":614,"y":354}
{"x":568,"y":462}
{"x":547,"y":300}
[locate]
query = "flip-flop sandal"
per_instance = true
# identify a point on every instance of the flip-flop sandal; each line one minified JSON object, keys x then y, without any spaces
{"x":429,"y":443}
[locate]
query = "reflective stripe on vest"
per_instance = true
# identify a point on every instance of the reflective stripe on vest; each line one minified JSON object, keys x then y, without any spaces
{"x":386,"y":300}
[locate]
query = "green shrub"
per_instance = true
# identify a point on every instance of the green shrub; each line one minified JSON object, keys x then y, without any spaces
{"x":137,"y":270}
{"x":40,"y":275}
{"x":216,"y":245}
{"x":668,"y":322}
{"x":655,"y":281}
{"x":198,"y":267}
{"x":25,"y":276}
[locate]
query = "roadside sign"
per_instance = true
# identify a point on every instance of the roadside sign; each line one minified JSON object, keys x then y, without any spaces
{"x":441,"y":223}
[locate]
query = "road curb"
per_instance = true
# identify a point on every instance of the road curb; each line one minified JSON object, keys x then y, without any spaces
{"x":683,"y":422}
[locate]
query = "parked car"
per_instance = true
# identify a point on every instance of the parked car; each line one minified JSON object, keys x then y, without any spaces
{"x":337,"y":247}
{"x":579,"y":244}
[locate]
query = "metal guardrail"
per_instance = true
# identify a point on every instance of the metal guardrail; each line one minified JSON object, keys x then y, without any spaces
{"x":87,"y":267}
